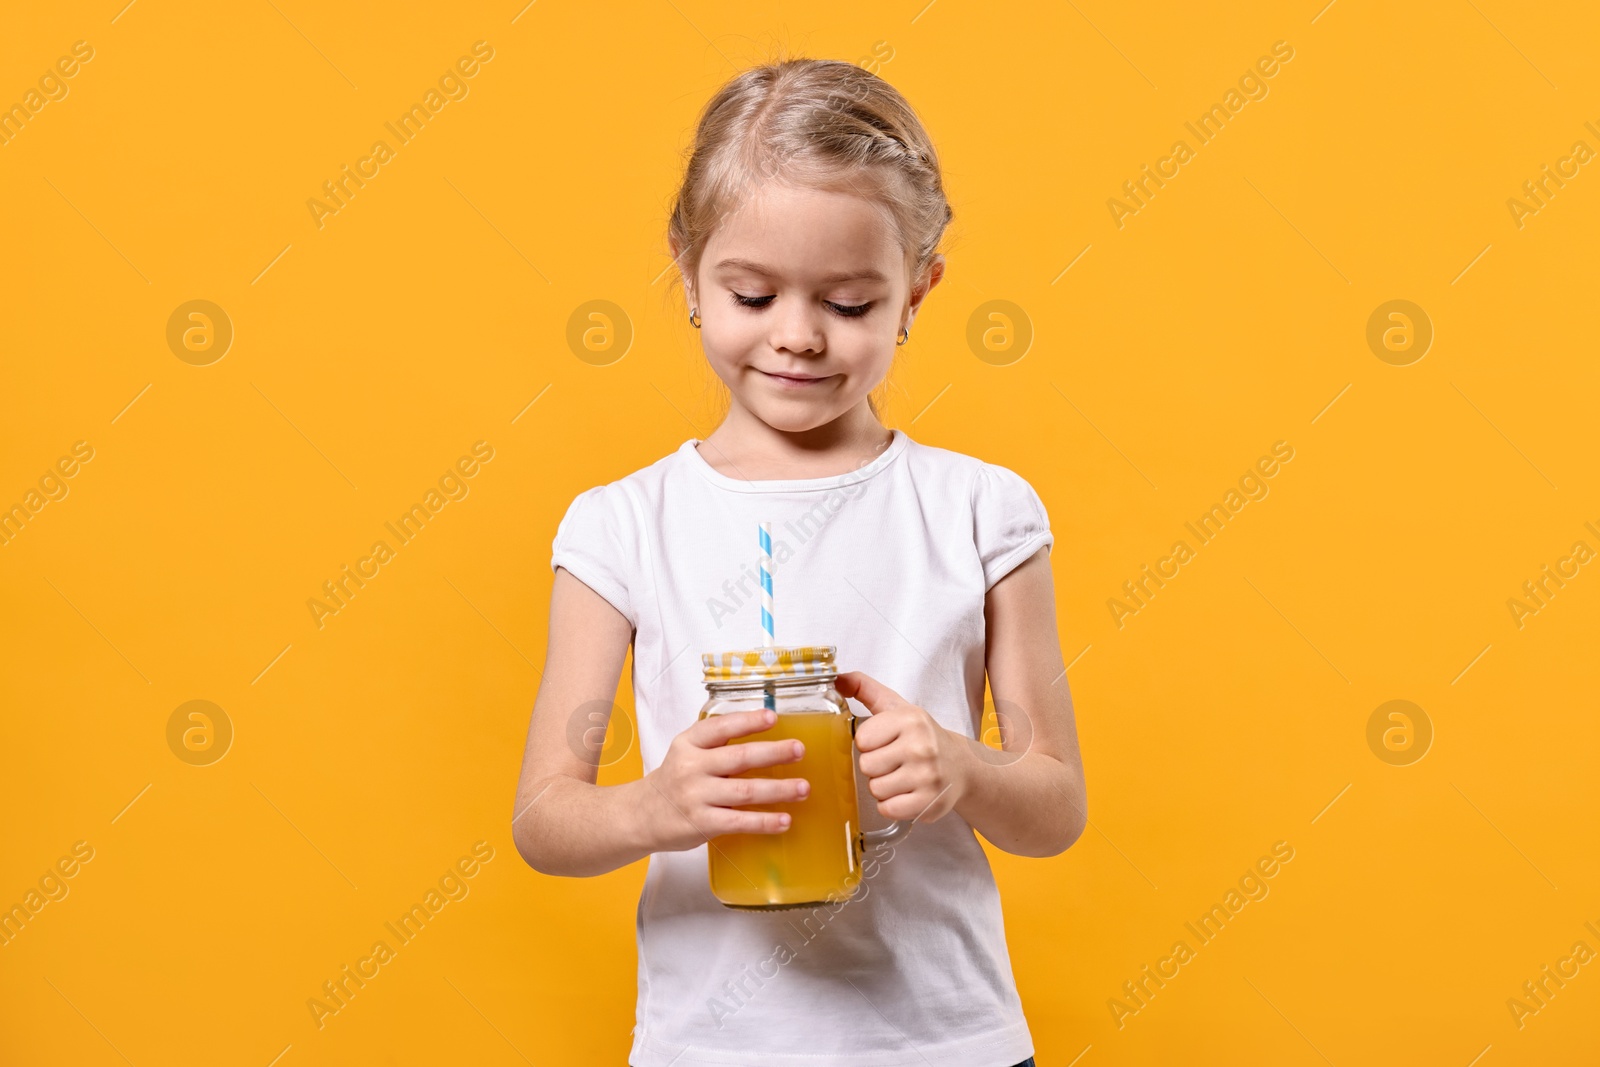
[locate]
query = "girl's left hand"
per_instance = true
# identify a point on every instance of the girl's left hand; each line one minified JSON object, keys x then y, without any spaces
{"x":914,"y":765}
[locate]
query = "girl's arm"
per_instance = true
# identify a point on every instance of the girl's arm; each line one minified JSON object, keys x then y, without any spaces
{"x":1028,"y":799}
{"x":563,"y":823}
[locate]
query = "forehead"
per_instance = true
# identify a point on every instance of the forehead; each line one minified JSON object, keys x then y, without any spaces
{"x":804,"y":234}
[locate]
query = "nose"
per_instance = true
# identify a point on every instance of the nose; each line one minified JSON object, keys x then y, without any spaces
{"x":797,"y":327}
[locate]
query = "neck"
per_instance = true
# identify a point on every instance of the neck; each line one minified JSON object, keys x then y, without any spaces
{"x":745,"y":447}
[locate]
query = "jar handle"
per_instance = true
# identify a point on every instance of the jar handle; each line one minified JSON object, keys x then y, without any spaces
{"x":894,"y":830}
{"x":889,"y":833}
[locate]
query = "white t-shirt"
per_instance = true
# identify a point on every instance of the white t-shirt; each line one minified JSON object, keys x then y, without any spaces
{"x":890,"y":563}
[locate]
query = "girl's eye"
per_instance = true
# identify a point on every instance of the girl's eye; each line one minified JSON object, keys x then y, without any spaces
{"x":842,"y":310}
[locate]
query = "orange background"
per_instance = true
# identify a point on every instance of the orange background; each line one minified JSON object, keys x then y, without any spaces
{"x":370,"y":754}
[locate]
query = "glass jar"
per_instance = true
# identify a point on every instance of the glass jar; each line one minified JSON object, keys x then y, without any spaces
{"x":818,"y":857}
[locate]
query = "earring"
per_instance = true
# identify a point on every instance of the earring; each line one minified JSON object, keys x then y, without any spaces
{"x":694,"y":318}
{"x":903,"y":336}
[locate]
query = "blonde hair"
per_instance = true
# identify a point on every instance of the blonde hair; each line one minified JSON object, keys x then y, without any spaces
{"x":821,"y":123}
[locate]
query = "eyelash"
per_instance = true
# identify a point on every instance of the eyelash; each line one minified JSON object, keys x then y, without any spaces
{"x":844,"y":311}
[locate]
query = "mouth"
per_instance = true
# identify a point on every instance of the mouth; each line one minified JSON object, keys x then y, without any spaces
{"x":796,"y":381}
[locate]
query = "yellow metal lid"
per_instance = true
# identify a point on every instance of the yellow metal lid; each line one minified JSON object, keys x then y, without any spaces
{"x":760,"y":663}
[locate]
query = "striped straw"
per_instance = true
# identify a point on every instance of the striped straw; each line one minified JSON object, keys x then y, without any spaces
{"x":766,"y":601}
{"x":766,"y":585}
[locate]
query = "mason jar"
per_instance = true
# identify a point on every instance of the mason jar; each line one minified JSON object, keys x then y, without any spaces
{"x":818,"y":858}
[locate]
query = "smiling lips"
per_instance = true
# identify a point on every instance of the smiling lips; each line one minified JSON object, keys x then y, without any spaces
{"x":795,"y":381}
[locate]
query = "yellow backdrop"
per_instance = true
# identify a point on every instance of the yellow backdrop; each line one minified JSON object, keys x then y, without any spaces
{"x":1309,"y":397}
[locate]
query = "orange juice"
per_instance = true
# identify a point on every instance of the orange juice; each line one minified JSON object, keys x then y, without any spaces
{"x":817,"y":857}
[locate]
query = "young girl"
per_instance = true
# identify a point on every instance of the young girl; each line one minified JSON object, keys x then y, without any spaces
{"x":806,"y":230}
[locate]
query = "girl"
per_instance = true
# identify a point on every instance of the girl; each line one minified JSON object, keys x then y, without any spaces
{"x":806,"y":231}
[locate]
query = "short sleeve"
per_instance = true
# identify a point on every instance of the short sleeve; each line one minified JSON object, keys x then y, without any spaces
{"x":1009,"y":523}
{"x":592,"y":544}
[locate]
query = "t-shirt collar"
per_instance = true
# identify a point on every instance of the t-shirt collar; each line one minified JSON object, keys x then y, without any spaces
{"x":691,"y":456}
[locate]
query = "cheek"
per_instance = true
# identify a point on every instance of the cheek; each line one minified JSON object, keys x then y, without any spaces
{"x":727,"y":344}
{"x":863,"y":352}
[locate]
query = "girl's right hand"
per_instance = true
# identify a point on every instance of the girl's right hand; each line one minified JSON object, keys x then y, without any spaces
{"x":691,"y":797}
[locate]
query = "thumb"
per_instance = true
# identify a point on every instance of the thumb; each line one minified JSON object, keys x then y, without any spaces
{"x":867,"y":689}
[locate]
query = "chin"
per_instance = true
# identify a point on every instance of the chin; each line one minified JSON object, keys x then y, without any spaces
{"x":795,"y":417}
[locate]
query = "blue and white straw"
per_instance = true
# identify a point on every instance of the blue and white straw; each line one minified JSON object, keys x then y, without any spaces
{"x":767,"y":640}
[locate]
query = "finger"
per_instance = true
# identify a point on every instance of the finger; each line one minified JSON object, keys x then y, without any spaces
{"x":867,"y":689}
{"x":740,"y":792}
{"x":892,"y":785}
{"x":879,"y":729}
{"x":733,"y":821}
{"x":910,"y":807}
{"x":925,"y":804}
{"x":714,"y":731}
{"x":746,"y":755}
{"x":879,"y":760}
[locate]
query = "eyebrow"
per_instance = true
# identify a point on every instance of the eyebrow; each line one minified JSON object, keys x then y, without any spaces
{"x":866,"y":273}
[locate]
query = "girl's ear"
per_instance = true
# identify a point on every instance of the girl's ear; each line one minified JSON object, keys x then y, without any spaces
{"x":930,"y":277}
{"x":924,"y":285}
{"x":688,"y":282}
